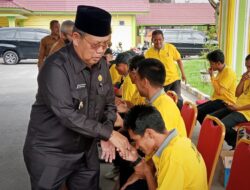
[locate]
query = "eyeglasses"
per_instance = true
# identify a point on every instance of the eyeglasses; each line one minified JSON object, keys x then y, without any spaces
{"x":96,"y":46}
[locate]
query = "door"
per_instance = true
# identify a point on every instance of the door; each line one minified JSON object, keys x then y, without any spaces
{"x":27,"y":44}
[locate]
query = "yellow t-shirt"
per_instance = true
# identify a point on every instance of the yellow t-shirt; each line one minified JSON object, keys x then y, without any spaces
{"x":170,"y":114}
{"x":137,"y":99}
{"x":128,"y":89}
{"x":167,"y":55}
{"x":226,"y":79}
{"x":114,"y":74}
{"x":179,"y":165}
{"x":244,"y":99}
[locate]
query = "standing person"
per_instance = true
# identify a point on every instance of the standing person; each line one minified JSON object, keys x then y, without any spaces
{"x":74,"y":108}
{"x":119,"y":48}
{"x":178,"y":163}
{"x":66,"y":36}
{"x":224,"y":85}
{"x":48,"y":41}
{"x":167,"y":54}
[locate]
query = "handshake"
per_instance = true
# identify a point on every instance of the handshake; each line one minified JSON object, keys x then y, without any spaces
{"x":116,"y":142}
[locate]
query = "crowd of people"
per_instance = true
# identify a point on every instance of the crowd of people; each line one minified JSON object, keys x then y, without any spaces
{"x":87,"y":98}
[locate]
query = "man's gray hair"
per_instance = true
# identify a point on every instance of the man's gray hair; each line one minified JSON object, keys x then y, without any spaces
{"x":67,"y":26}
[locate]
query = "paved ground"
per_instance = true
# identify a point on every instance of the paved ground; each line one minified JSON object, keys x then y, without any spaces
{"x":17,"y":93}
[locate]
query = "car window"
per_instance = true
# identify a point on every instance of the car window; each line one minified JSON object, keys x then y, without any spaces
{"x":171,"y":36}
{"x":26,"y":35}
{"x":198,"y":38}
{"x":41,"y":35}
{"x":186,"y":37}
{"x":7,"y":34}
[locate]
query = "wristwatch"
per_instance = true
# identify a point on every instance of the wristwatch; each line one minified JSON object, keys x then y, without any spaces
{"x":138,"y":160}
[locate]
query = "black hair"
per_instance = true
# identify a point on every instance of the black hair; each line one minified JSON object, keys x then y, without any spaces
{"x":157,"y":32}
{"x":51,"y":24}
{"x":142,"y":117}
{"x":216,"y":56}
{"x":108,"y":51}
{"x":247,"y":57}
{"x":153,"y":70}
{"x":135,"y":61}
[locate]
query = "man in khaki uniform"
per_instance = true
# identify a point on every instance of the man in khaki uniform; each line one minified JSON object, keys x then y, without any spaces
{"x":66,"y":36}
{"x":48,"y":41}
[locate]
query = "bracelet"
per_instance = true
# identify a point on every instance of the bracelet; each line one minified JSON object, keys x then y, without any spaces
{"x":138,"y":160}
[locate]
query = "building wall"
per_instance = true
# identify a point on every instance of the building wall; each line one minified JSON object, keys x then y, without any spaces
{"x":43,"y":21}
{"x":122,"y":27}
{"x":4,"y":22}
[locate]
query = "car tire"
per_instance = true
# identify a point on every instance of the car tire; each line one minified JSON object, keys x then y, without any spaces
{"x":10,"y":58}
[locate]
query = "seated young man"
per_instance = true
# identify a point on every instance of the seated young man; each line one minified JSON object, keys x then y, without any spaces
{"x":178,"y":163}
{"x":136,"y":99}
{"x":127,"y":89}
{"x":238,"y":112}
{"x":224,"y":85}
{"x":150,"y":77}
{"x":115,"y":77}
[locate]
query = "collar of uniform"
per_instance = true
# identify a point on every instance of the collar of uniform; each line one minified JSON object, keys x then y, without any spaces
{"x":77,"y":63}
{"x":172,"y":134}
{"x":157,"y":94}
{"x":56,"y":37}
{"x":162,"y":48}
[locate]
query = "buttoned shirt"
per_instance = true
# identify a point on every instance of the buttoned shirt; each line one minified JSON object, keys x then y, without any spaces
{"x":45,"y":46}
{"x":56,"y":46}
{"x":74,"y":107}
{"x":168,"y":55}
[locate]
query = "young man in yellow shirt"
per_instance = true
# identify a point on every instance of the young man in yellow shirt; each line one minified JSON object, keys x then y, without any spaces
{"x":136,"y":98}
{"x":122,"y":66}
{"x":238,"y":112}
{"x":168,"y":55}
{"x":178,"y":164}
{"x":149,"y":81}
{"x":224,"y":85}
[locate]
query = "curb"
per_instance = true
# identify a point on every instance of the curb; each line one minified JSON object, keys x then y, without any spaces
{"x":195,"y":92}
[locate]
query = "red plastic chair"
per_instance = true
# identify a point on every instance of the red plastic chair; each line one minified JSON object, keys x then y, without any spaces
{"x":210,"y":141}
{"x":173,"y":95}
{"x":189,"y":115}
{"x":240,"y":171}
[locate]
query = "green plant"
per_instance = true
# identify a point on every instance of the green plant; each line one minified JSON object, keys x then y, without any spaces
{"x":211,"y":43}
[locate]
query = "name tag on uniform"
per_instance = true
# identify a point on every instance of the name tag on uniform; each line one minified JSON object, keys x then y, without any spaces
{"x":78,"y":86}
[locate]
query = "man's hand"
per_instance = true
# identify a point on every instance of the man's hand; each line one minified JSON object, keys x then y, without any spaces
{"x":142,"y":168}
{"x":118,"y":101}
{"x":183,"y":78}
{"x":245,"y":76}
{"x":108,"y":151}
{"x":210,"y":71}
{"x":132,"y":155}
{"x":232,"y":107}
{"x":122,"y":107}
{"x":121,"y":143}
{"x":132,"y":179}
{"x":119,"y":121}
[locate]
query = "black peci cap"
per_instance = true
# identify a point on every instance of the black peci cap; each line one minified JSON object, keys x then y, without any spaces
{"x":93,"y":20}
